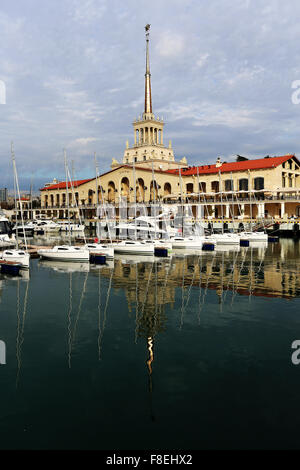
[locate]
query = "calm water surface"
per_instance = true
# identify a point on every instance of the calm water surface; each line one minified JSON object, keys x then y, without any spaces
{"x":192,"y":352}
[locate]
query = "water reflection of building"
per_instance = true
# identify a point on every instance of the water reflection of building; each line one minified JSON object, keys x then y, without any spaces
{"x":151,"y":286}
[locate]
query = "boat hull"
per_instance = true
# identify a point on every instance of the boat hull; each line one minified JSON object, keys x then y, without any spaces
{"x":16,"y":256}
{"x":63,"y":254}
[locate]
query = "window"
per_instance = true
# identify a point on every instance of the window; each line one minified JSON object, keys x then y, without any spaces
{"x":228,"y":185}
{"x":258,"y":183}
{"x":243,"y":184}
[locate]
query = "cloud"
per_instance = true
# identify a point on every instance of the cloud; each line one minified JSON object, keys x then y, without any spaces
{"x":171,"y":45}
{"x":83,"y":141}
{"x":202,"y":59}
{"x":86,"y":12}
{"x":74,"y":76}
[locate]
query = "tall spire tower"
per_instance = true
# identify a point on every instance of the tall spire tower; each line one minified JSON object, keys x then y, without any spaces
{"x":148,"y":149}
{"x":148,"y":97}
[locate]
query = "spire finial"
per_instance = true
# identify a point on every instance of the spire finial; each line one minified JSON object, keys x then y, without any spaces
{"x":148,"y":99}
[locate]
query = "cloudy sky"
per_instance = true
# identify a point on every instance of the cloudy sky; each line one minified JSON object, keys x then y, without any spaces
{"x":222,"y":76}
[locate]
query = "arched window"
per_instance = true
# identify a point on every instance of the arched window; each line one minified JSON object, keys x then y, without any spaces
{"x":90,"y":196}
{"x":111,"y":191}
{"x":153,"y":191}
{"x":202,"y":187}
{"x":228,"y":185}
{"x":167,"y":189}
{"x":140,"y":190}
{"x":125,"y":188}
{"x":215,"y":186}
{"x":259,"y":183}
{"x":243,"y":184}
{"x":189,"y":188}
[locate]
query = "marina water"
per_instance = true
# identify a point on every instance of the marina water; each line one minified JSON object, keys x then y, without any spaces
{"x":188,"y":352}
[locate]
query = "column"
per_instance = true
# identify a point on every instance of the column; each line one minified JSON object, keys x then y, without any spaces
{"x":261,"y":210}
{"x":200,"y":211}
{"x":242,"y":210}
{"x":227,"y":213}
{"x":139,"y":136}
{"x":135,"y":131}
{"x":162,"y":137}
{"x":282,"y":209}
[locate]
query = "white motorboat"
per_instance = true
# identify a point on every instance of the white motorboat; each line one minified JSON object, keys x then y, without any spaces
{"x":226,"y":238}
{"x":254,"y":236}
{"x":65,"y":253}
{"x":65,"y":226}
{"x":6,"y":237}
{"x":28,"y":229}
{"x":134,"y":247}
{"x":17,"y":256}
{"x":160,"y":244}
{"x":187,"y":242}
{"x":105,"y":249}
{"x":46,"y":226}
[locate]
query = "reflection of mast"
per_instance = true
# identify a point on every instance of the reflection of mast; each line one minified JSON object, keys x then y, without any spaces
{"x":239,"y":276}
{"x":20,"y":328}
{"x":186,"y":302}
{"x":101,"y":329}
{"x":69,"y":321}
{"x":78,"y":315}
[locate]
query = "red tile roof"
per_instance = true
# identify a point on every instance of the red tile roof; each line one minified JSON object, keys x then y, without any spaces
{"x":257,"y":164}
{"x":62,"y":185}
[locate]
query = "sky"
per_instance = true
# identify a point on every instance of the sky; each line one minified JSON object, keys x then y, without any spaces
{"x":222,"y":79}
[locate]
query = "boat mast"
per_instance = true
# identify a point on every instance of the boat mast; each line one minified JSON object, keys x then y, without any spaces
{"x":102,"y":199}
{"x":154,"y":198}
{"x":232,"y":190}
{"x":249,"y":187}
{"x":18,"y":191}
{"x":181,"y":197}
{"x":221,"y":195}
{"x":134,"y":182}
{"x":67,"y":194}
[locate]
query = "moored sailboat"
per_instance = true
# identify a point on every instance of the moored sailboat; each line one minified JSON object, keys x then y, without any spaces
{"x":65,"y":252}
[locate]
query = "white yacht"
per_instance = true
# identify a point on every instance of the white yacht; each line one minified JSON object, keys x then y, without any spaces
{"x":28,"y":229}
{"x":64,"y":226}
{"x":188,"y":242}
{"x":46,"y":226}
{"x":134,"y":247}
{"x":105,"y":249}
{"x":226,"y":238}
{"x":65,"y":253}
{"x":16,"y":256}
{"x":160,"y":244}
{"x":254,"y":236}
{"x":6,"y":237}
